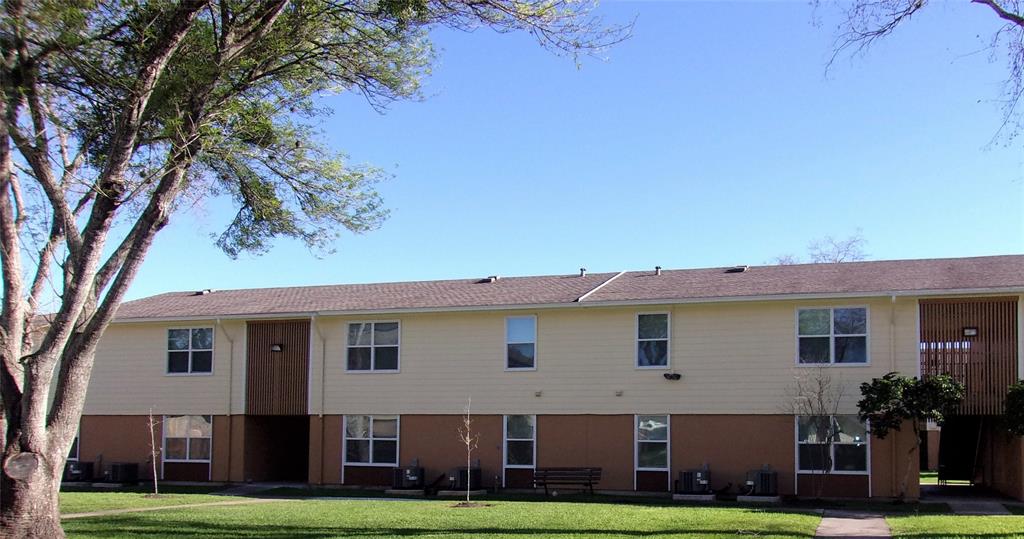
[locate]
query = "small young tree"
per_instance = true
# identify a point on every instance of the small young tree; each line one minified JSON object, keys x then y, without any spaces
{"x":154,"y":452}
{"x":816,"y":398}
{"x":469,"y":439}
{"x":893,"y":399}
{"x":1013,"y":416}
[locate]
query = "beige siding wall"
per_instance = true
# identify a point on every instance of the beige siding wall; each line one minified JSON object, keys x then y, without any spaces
{"x":734,"y":358}
{"x":130,"y":377}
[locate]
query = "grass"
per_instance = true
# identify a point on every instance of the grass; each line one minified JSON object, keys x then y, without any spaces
{"x":501,"y":519}
{"x":953,"y":526}
{"x":83,"y":500}
{"x":932,"y":478}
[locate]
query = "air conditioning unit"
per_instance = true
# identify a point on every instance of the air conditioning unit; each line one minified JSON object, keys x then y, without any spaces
{"x":763,"y":482}
{"x":408,"y":477}
{"x":694,"y":481}
{"x":458,"y":478}
{"x":78,"y":471}
{"x":124,"y":472}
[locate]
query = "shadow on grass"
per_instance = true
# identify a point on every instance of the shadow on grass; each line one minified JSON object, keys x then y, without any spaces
{"x":133,"y":526}
{"x":790,"y":505}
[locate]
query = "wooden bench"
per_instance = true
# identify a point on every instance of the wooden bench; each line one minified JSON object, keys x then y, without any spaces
{"x":583,"y":478}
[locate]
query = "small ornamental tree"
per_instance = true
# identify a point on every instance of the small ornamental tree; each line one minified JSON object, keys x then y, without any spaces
{"x":893,"y":399}
{"x":1013,"y":417}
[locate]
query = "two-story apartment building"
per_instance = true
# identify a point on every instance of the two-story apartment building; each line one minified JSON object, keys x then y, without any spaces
{"x":641,"y":373}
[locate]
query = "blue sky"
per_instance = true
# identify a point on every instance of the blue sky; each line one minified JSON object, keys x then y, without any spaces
{"x":713,"y":137}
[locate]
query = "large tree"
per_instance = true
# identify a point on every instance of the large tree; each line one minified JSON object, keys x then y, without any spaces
{"x":863,"y":22}
{"x":116,"y":114}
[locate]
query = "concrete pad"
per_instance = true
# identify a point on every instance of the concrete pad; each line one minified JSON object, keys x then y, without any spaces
{"x":693,"y":497}
{"x":978,"y":508}
{"x":759,"y":499}
{"x":457,"y":493}
{"x":405,"y":492}
{"x":850,"y":524}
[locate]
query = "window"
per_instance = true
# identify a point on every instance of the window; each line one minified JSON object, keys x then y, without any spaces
{"x":520,"y":441}
{"x":190,"y":351}
{"x":371,"y":440}
{"x":652,"y":340}
{"x":373,"y":346}
{"x":838,"y":335}
{"x":73,"y":454}
{"x":652,"y":442}
{"x":848,"y":451}
{"x":521,"y":342}
{"x":187,"y":438}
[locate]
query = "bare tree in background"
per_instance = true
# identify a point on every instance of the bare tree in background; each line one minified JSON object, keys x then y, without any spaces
{"x":829,"y":250}
{"x":154,"y":452}
{"x":815,"y":398}
{"x":866,"y":21}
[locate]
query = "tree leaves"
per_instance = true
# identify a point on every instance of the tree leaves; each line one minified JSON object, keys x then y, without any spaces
{"x":889,"y":401}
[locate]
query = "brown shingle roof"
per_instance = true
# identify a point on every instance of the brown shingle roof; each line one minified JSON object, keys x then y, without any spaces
{"x":881,"y":277}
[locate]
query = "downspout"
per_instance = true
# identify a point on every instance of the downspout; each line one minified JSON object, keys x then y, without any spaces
{"x":231,"y":387}
{"x":892,"y":368}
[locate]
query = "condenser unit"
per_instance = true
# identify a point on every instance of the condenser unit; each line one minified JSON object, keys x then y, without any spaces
{"x":458,"y":478}
{"x":78,"y":471}
{"x":124,"y":472}
{"x":763,"y":482}
{"x":694,"y":481}
{"x":408,"y":477}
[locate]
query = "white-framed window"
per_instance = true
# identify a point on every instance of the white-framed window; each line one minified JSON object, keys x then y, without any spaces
{"x":371,"y":440}
{"x":190,"y":351}
{"x":652,"y":443}
{"x":187,"y":438}
{"x":520,"y":441}
{"x":652,"y":340}
{"x":73,"y":453}
{"x":520,"y":343}
{"x":832,"y":335}
{"x":373,"y":346}
{"x":846,"y":454}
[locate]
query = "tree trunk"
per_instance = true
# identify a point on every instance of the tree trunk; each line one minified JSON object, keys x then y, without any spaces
{"x":29,"y":508}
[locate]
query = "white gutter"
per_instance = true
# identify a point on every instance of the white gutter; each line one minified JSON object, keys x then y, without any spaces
{"x":578,"y":304}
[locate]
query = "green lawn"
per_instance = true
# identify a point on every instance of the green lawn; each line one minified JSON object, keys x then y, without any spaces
{"x":82,"y":501}
{"x":381,"y":519}
{"x":950,"y":526}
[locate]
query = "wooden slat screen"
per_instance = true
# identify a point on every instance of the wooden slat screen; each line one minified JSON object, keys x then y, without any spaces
{"x":277,"y":382}
{"x":986,"y":363}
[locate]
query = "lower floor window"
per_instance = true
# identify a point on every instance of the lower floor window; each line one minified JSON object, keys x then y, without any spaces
{"x":520,"y":440}
{"x":187,"y":438}
{"x":832,"y":444}
{"x":371,"y":439}
{"x":652,"y":442}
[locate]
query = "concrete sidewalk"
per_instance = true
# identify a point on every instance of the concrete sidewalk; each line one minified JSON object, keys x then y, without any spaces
{"x":852,"y":524}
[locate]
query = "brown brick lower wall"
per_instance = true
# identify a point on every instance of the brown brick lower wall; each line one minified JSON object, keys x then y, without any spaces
{"x":730,"y":445}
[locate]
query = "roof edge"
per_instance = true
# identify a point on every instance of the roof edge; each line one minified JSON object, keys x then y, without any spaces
{"x":584,"y":304}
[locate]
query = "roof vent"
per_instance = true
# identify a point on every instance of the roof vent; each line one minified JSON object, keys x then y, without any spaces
{"x":583,"y":272}
{"x":203,"y":292}
{"x":737,"y":269}
{"x":657,"y":270}
{"x":490,"y":279}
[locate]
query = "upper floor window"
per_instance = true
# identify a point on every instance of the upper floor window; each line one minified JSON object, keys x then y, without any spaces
{"x":652,"y":442}
{"x":521,"y":342}
{"x":652,"y":336}
{"x":832,"y":335}
{"x":190,"y":351}
{"x":187,"y":438}
{"x":832,"y":444}
{"x":373,"y":346}
{"x":371,"y":439}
